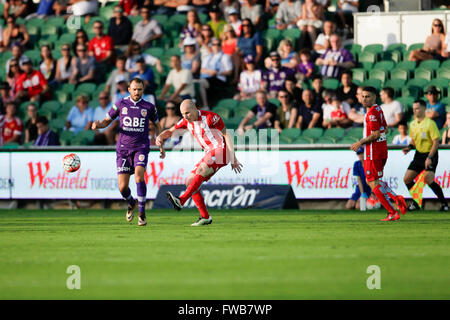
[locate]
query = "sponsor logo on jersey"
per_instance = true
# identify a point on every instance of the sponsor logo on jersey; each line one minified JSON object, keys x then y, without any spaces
{"x":368,"y":172}
{"x":144,"y":112}
{"x":215,"y":119}
{"x":141,"y":157}
{"x":372,"y":118}
{"x":124,"y":110}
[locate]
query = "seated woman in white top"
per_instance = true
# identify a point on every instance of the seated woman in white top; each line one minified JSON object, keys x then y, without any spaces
{"x":250,"y":80}
{"x":134,"y":52}
{"x":64,"y":65}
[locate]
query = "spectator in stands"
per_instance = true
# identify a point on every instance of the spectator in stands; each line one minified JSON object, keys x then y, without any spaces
{"x":111,"y":83}
{"x":64,"y":65}
{"x":181,"y":80}
{"x":347,"y":90}
{"x":6,"y":95}
{"x":171,"y":117}
{"x":190,"y":60}
{"x":345,"y":12}
{"x":289,"y":58}
{"x":18,"y":8}
{"x":130,"y":7}
{"x":43,"y":11}
{"x":286,"y":113}
{"x":48,"y":64}
{"x":446,"y":46}
{"x":253,"y":11}
{"x":134,"y":53}
{"x":205,"y":41}
{"x":339,"y":113}
{"x":147,"y":30}
{"x":83,"y":8}
{"x":402,"y":138}
{"x":362,"y":189}
{"x":122,"y":89}
{"x":81,"y":38}
{"x":327,"y":107}
{"x":229,"y":40}
{"x":31,"y":85}
{"x":120,"y":29}
{"x":264,"y":111}
{"x":46,"y":137}
{"x":17,"y":54}
{"x":317,"y":89}
{"x":309,"y":113}
{"x":101,"y":47}
{"x":335,"y":59}
{"x":435,"y":108}
{"x":235,"y":21}
{"x":83,"y":67}
{"x":215,"y":69}
{"x":305,"y":68}
{"x":192,"y":28}
{"x":12,"y":125}
{"x":30,"y":126}
{"x":2,"y":47}
{"x":250,"y":80}
{"x":432,"y":48}
{"x":216,"y":23}
{"x":15,"y":34}
{"x":105,"y":135}
{"x":322,"y":43}
{"x":80,"y":117}
{"x":272,"y":7}
{"x":446,"y":133}
{"x":273,"y":79}
{"x":358,"y":111}
{"x":288,"y":14}
{"x":310,"y":22}
{"x":169,"y":7}
{"x":230,"y":7}
{"x":146,"y":75}
{"x":392,"y":109}
{"x":60,"y":7}
{"x":293,"y":90}
{"x":13,"y":75}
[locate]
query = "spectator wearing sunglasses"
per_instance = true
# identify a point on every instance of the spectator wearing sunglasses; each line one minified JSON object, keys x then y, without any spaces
{"x":147,"y":30}
{"x":120,"y":29}
{"x":64,"y":65}
{"x":104,"y":136}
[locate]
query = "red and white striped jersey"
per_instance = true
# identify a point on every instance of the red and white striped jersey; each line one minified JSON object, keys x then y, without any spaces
{"x":207,"y":129}
{"x":375,"y":121}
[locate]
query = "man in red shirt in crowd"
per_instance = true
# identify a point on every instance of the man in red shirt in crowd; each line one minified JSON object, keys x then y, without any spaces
{"x":101,"y":46}
{"x":376,"y":154}
{"x":31,"y":85}
{"x":10,"y":125}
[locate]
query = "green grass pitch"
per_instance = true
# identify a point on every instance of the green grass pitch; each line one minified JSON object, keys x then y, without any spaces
{"x":244,"y":254}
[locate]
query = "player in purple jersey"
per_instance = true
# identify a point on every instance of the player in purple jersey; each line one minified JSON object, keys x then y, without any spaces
{"x":133,"y":144}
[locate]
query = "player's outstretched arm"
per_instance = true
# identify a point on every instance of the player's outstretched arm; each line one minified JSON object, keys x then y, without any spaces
{"x":372,"y":137}
{"x":235,"y":164}
{"x":163,"y":136}
{"x":100,"y":125}
{"x":162,"y":152}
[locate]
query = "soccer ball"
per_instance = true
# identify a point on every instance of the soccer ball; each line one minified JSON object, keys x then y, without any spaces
{"x":71,"y":162}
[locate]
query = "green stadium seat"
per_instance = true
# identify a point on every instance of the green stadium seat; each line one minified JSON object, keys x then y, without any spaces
{"x":326,"y":140}
{"x":290,"y":134}
{"x":35,"y":22}
{"x":274,"y":101}
{"x":430,"y":64}
{"x":419,"y":82}
{"x":291,"y":34}
{"x":271,"y":37}
{"x":84,"y":137}
{"x":161,"y":19}
{"x":422,"y":73}
{"x":354,"y":47}
{"x":57,"y":21}
{"x":34,"y":55}
{"x":348,"y":140}
{"x":415,"y":46}
{"x":376,"y":83}
{"x":385,"y":65}
{"x":232,"y":123}
{"x":396,"y":47}
{"x":57,"y":125}
{"x":443,"y":73}
{"x":359,"y":74}
{"x":379,"y":74}
{"x":412,"y":90}
{"x":33,"y":30}
{"x":241,"y":111}
{"x":354,"y":133}
{"x":228,"y":103}
{"x":446,"y":64}
{"x":396,"y":84}
{"x":135,"y":19}
{"x":406,"y":101}
{"x":441,"y":83}
{"x":10,"y":145}
{"x":313,"y":133}
{"x":335,"y":133}
{"x":53,"y":106}
{"x":331,"y":84}
{"x":399,"y":74}
{"x":85,"y":88}
{"x":49,"y":29}
{"x":410,"y":66}
{"x":155,"y":52}
{"x":368,"y":57}
{"x":223,"y":112}
{"x":376,"y":48}
{"x":247,"y":103}
{"x":303,"y":140}
{"x":45,"y":112}
{"x":395,"y":56}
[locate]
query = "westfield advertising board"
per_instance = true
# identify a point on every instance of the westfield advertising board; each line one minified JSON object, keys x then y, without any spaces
{"x":313,"y":174}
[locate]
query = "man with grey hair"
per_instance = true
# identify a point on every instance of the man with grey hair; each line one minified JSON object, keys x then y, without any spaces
{"x":210,"y":131}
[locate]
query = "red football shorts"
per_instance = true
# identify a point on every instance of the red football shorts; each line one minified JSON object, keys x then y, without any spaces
{"x":374,"y":169}
{"x":215,"y":159}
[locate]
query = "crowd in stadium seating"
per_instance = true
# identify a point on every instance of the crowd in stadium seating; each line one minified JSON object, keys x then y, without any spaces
{"x":288,"y":65}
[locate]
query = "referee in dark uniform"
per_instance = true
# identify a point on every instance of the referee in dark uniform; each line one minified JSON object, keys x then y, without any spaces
{"x":425,"y":139}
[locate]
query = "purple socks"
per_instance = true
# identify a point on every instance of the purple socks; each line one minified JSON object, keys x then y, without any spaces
{"x":127,"y":196}
{"x":141,"y":195}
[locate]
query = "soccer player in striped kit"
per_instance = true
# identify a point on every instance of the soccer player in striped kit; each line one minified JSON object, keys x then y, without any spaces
{"x":210,"y":131}
{"x":376,"y":154}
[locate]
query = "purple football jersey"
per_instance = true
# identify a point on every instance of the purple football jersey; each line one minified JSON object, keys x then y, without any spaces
{"x":276,"y":78}
{"x":134,"y":118}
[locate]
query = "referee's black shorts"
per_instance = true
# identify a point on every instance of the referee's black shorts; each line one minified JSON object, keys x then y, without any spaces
{"x":418,"y":163}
